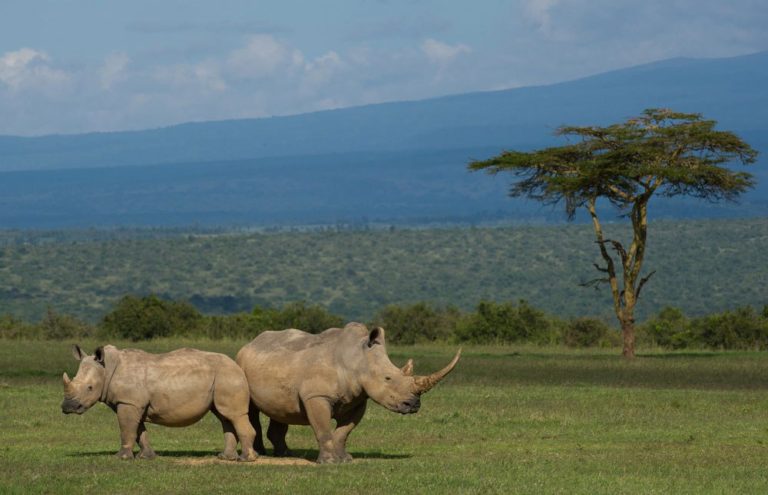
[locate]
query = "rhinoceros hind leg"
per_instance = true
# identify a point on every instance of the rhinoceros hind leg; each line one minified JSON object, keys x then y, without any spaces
{"x":237,"y":428}
{"x":146,"y":452}
{"x":246,"y":435}
{"x":276,"y":434}
{"x":230,"y":439}
{"x":258,"y":441}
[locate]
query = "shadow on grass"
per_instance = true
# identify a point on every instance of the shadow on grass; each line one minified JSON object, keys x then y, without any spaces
{"x":311,"y":454}
{"x":677,"y":355}
{"x":308,"y":454}
{"x":160,"y":453}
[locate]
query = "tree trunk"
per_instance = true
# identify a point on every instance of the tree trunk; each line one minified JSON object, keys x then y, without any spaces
{"x":628,"y":336}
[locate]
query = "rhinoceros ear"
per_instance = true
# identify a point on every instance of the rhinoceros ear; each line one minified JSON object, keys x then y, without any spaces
{"x":98,"y":355}
{"x":77,"y":353}
{"x":376,"y":337}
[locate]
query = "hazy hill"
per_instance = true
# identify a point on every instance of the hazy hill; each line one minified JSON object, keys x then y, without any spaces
{"x":393,"y":162}
{"x":702,"y":267}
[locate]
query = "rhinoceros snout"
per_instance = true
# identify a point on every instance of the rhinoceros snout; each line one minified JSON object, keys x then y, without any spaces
{"x":409,"y":406}
{"x":70,"y":406}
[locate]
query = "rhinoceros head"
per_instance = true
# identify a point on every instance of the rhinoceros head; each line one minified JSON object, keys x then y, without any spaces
{"x":395,"y":388}
{"x":84,"y":390}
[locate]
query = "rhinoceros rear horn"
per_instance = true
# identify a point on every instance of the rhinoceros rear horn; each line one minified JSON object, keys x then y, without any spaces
{"x":408,"y":368}
{"x":66,"y":379}
{"x":423,"y":384}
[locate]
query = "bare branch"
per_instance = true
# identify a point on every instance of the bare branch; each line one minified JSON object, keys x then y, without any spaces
{"x":595,"y":283}
{"x":618,"y":248}
{"x":600,"y":268}
{"x":642,"y":283}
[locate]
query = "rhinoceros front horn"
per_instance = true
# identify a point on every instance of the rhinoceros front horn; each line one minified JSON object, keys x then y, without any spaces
{"x":423,"y":384}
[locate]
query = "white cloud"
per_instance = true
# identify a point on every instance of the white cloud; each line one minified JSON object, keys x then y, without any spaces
{"x":261,"y":57}
{"x":204,"y":76}
{"x":539,"y":11}
{"x":443,"y":53}
{"x":113,"y":70}
{"x":27,"y":68}
{"x":323,"y":68}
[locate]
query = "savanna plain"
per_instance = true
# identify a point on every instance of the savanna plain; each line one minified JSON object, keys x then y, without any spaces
{"x":509,"y":419}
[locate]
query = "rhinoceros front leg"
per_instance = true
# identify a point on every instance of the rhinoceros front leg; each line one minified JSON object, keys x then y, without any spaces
{"x":344,"y":426}
{"x":129,"y":418}
{"x":319,"y":416}
{"x":146,"y":452}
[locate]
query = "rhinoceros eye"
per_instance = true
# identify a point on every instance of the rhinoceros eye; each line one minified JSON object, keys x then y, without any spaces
{"x":387,"y":378}
{"x":90,"y":387}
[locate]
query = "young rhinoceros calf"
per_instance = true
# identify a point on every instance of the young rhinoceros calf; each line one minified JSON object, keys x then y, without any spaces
{"x":297,"y":378}
{"x":173,"y":389}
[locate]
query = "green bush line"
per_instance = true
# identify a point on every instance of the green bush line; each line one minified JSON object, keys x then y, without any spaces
{"x":148,"y":317}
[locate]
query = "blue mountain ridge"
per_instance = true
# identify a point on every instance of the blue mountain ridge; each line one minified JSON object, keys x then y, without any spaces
{"x":391,"y":162}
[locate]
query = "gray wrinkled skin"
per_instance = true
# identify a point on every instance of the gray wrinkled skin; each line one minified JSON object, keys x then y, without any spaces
{"x":297,"y":378}
{"x":173,"y":389}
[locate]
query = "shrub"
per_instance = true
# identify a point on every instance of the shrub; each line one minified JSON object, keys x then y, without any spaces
{"x":236,"y":326}
{"x":310,"y":318}
{"x":418,"y":322}
{"x":13,"y":328}
{"x":505,"y":323}
{"x":58,"y":326}
{"x":142,"y":318}
{"x":587,"y":332}
{"x":742,"y":328}
{"x":670,"y":329}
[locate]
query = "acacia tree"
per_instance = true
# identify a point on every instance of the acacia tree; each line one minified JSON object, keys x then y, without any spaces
{"x":661,"y":152}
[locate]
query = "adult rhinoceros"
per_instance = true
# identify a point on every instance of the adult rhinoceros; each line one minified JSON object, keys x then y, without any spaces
{"x":173,"y":389}
{"x":297,"y":378}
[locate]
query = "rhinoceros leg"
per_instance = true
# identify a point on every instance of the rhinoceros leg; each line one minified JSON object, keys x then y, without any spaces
{"x":236,"y":427}
{"x":276,"y":434}
{"x":319,"y":416}
{"x":344,"y":426}
{"x":246,"y":435}
{"x":129,"y":418}
{"x":146,"y":452}
{"x":230,"y":439}
{"x":253,"y":417}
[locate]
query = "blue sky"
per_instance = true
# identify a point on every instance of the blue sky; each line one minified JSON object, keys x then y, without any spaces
{"x":69,"y":66}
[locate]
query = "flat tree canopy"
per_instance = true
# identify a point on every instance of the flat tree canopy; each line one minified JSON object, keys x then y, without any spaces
{"x":660,"y":152}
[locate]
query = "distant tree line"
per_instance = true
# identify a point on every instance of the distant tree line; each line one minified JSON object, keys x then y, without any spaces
{"x":142,"y":318}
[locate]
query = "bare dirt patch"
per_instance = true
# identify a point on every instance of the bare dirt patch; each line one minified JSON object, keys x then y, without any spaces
{"x":261,"y":461}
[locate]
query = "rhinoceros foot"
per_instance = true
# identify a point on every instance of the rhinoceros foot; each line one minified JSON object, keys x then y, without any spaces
{"x":124,"y":454}
{"x":283,"y":453}
{"x":327,"y":459}
{"x":249,"y":457}
{"x":330,"y":458}
{"x":227,"y":456}
{"x":148,"y":454}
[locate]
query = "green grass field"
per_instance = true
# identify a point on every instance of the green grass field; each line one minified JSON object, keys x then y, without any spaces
{"x":508,"y":420}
